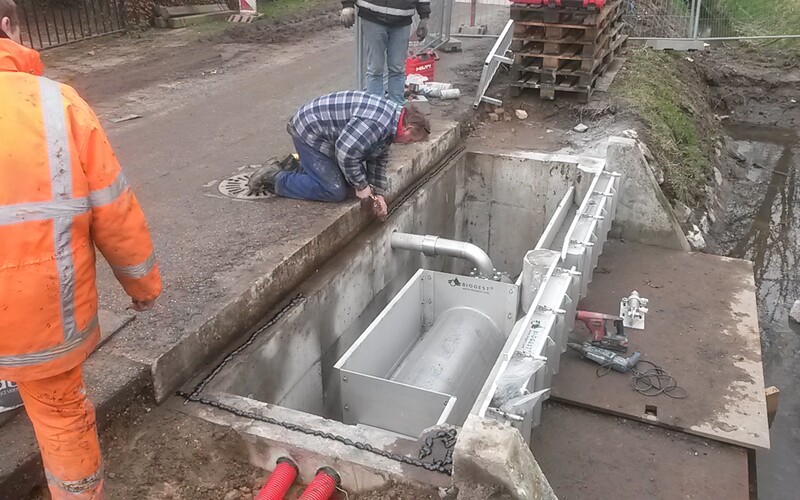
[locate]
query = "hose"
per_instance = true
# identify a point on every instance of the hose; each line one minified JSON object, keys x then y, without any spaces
{"x":279,"y":481}
{"x":323,"y":486}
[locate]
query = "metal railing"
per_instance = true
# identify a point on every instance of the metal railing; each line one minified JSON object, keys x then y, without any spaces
{"x":50,"y":23}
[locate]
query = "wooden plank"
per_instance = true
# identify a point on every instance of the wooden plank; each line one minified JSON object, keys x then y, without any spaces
{"x":589,"y":455}
{"x":702,"y":328}
{"x":604,"y":82}
{"x":773,"y":395}
{"x":527,"y":13}
{"x":188,"y":10}
{"x":581,"y":35}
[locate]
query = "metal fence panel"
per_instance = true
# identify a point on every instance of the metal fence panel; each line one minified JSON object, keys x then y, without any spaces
{"x":493,"y":14}
{"x":50,"y":23}
{"x":739,"y":19}
{"x":659,"y":18}
{"x":712,"y":19}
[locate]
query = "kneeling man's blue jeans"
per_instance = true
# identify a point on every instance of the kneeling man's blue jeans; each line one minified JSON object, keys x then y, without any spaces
{"x":319,"y":178}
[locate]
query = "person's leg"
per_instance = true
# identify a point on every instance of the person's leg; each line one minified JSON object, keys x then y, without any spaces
{"x":64,"y":421}
{"x":376,"y":39}
{"x":397,"y":53}
{"x":320,"y":178}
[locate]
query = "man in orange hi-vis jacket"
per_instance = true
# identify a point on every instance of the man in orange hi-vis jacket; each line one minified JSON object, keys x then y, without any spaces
{"x":62,"y":193}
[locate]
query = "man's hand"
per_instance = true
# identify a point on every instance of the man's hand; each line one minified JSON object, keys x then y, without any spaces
{"x":422,"y":29}
{"x":142,"y":305}
{"x":365,"y":193}
{"x":348,"y":17}
{"x":381,"y":210}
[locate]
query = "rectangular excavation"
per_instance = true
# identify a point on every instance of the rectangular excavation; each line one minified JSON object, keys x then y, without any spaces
{"x":356,"y":354}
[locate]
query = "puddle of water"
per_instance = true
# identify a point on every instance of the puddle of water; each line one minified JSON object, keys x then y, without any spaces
{"x":765,"y":216}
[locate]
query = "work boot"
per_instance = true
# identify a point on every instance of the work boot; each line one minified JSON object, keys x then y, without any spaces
{"x":291,"y":163}
{"x":263,"y":179}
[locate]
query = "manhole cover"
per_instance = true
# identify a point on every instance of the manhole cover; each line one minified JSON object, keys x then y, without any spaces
{"x":236,"y":187}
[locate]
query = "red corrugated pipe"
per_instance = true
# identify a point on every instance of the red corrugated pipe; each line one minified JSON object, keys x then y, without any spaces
{"x":279,"y":481}
{"x":323,"y":486}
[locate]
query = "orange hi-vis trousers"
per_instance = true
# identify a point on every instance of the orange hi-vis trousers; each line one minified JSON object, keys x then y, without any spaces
{"x":64,"y":421}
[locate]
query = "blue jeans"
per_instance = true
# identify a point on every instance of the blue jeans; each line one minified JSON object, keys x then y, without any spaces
{"x":386,"y":47}
{"x":319,"y":178}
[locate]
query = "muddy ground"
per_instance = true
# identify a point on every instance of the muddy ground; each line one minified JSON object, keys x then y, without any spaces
{"x":760,"y":221}
{"x":157,"y":453}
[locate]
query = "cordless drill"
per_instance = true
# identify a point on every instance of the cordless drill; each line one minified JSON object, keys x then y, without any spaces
{"x":608,"y":332}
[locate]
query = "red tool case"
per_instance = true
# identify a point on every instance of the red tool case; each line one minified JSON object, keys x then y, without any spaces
{"x":422,"y":64}
{"x":570,"y":4}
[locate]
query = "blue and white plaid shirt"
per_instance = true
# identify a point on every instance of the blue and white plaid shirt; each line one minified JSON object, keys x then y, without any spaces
{"x":353,"y":127}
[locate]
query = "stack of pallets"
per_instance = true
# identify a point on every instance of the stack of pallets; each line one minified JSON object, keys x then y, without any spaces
{"x":558,"y":49}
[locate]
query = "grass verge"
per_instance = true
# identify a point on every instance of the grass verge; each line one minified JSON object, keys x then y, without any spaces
{"x":652,"y":86}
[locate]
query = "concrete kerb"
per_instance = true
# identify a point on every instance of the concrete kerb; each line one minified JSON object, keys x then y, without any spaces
{"x":246,"y":308}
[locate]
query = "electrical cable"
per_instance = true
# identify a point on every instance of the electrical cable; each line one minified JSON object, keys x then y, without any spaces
{"x":652,"y":381}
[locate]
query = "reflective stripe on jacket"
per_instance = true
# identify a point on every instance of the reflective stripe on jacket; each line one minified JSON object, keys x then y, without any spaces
{"x":62,"y":192}
{"x":391,"y":12}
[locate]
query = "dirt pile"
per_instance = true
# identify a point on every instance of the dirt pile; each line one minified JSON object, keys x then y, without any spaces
{"x":285,"y":28}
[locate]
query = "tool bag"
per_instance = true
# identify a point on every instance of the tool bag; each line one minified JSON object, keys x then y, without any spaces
{"x":569,"y":4}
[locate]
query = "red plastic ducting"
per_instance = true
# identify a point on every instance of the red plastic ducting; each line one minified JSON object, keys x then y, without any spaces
{"x":323,"y":486}
{"x":279,"y":481}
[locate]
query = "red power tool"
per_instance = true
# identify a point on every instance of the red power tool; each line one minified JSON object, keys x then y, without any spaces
{"x":607,"y":331}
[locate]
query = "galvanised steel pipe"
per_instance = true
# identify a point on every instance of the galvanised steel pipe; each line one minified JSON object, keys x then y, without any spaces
{"x":436,"y":246}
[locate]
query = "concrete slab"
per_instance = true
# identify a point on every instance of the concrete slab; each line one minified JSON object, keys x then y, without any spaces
{"x":585,"y":454}
{"x":702,"y":328}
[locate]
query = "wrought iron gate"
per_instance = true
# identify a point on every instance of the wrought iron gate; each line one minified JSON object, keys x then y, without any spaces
{"x":50,"y":23}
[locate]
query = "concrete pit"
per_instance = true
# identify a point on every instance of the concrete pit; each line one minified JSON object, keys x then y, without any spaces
{"x":502,"y":203}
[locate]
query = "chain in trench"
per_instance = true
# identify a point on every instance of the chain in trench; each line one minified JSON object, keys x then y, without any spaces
{"x":447,"y":438}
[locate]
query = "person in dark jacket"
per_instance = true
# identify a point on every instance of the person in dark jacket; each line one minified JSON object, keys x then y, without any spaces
{"x":386,"y":26}
{"x":342,"y":140}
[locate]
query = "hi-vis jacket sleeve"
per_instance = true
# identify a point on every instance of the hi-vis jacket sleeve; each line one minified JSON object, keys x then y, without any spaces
{"x":118,"y":227}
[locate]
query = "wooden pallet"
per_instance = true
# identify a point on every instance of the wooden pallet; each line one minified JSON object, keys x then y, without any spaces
{"x":556,"y":48}
{"x":549,"y":34}
{"x":559,"y":62}
{"x":570,"y":79}
{"x":530,"y":15}
{"x":571,"y":68}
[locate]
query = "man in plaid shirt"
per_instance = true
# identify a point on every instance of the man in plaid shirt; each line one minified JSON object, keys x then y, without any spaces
{"x":343,"y":142}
